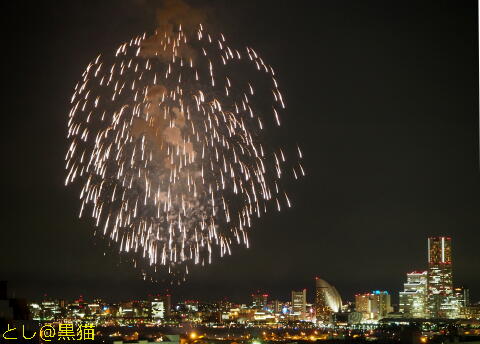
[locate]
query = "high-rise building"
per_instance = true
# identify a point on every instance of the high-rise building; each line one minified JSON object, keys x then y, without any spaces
{"x":327,"y":300}
{"x":299,"y":302}
{"x":362,"y":303}
{"x":413,"y":298}
{"x":167,"y":302}
{"x":158,"y":309}
{"x":440,"y":280}
{"x":259,"y":300}
{"x":374,"y":306}
{"x":461,"y":297}
{"x":275,"y":306}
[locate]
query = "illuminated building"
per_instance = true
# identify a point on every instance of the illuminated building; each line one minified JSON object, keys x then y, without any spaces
{"x":413,"y":298}
{"x":127,"y":310}
{"x":440,"y":281}
{"x":461,"y":299}
{"x":34,"y":308}
{"x":259,"y":300}
{"x":327,"y":300}
{"x":224,"y":305}
{"x":241,"y":315}
{"x":141,"y":309}
{"x":374,"y":306}
{"x":264,"y":317}
{"x":94,"y":308}
{"x":191,"y":305}
{"x":462,"y":294}
{"x":299,"y":302}
{"x":158,"y":309}
{"x":167,"y":302}
{"x":275,"y":306}
{"x":50,"y":309}
{"x":472,"y":312}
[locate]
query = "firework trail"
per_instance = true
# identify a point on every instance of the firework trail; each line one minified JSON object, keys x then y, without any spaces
{"x":166,"y":139}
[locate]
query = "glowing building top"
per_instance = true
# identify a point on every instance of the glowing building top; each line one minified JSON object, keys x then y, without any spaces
{"x":439,"y":250}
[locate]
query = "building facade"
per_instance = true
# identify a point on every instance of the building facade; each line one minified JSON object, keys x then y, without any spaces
{"x":158,"y":309}
{"x":327,"y":300}
{"x":440,"y":298}
{"x":299,"y":302}
{"x":374,"y":306}
{"x":413,"y":298}
{"x":259,"y":300}
{"x":461,"y":297}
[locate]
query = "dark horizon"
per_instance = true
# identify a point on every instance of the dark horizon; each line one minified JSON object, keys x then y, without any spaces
{"x":382,"y":97}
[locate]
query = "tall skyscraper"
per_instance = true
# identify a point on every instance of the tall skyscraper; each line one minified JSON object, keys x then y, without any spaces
{"x":327,"y":300}
{"x":440,"y":281}
{"x":299,"y":302}
{"x":413,"y":298}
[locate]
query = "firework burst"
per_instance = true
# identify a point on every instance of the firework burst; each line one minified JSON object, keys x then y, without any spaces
{"x":167,"y":139}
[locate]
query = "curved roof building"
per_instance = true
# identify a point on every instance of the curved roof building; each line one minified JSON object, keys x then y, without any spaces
{"x":327,"y":299}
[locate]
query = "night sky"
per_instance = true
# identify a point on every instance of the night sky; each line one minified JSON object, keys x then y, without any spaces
{"x":381,"y":95}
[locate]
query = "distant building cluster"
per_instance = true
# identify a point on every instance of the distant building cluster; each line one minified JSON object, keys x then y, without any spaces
{"x":427,"y":294}
{"x":430,"y":293}
{"x":153,"y":310}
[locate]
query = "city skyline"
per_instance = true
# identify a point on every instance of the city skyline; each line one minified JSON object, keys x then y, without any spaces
{"x":427,"y":293}
{"x":430,"y":302}
{"x":380,"y":97}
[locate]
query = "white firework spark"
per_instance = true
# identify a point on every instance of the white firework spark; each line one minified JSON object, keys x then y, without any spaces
{"x":166,"y":138}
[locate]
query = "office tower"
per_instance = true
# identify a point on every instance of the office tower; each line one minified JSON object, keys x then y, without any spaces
{"x":413,"y":298}
{"x":461,"y":297}
{"x":440,"y":282}
{"x":362,"y":304}
{"x":374,"y":306}
{"x":462,"y":294}
{"x":327,"y":300}
{"x":158,"y":308}
{"x":275,"y":306}
{"x":299,"y":302}
{"x":167,"y":302}
{"x":382,"y":303}
{"x":259,"y":300}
